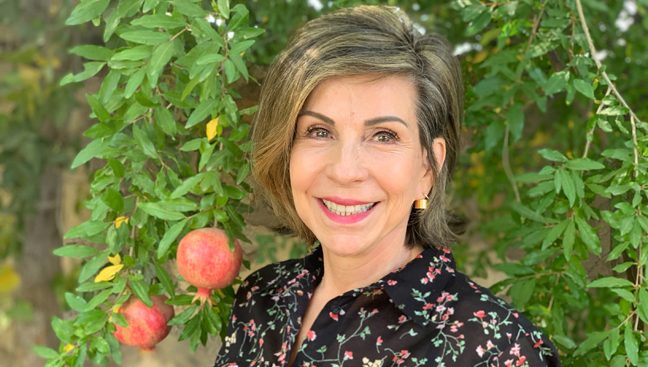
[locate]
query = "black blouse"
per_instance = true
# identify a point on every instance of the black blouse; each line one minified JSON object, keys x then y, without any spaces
{"x":425,"y":314}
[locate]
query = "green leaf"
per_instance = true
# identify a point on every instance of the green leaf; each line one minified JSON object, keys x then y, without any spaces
{"x":86,"y":229}
{"x":169,"y":236}
{"x":98,"y":108}
{"x":186,"y":186}
{"x":145,"y":37}
{"x":631,"y":345}
{"x":92,"y":52}
{"x":521,"y":292}
{"x":557,"y":82}
{"x":45,"y":352}
{"x":141,"y":290}
{"x":160,"y":57}
{"x":568,"y":239}
{"x":643,"y":305}
{"x":199,"y":114}
{"x":159,"y":211}
{"x":160,"y":21}
{"x":593,"y":340}
{"x":134,"y":82}
{"x":189,"y":9}
{"x":165,"y":120}
{"x":554,"y":233}
{"x":144,"y":142}
{"x":224,"y":8}
{"x":624,"y":293}
{"x":164,"y":278}
{"x":583,"y":164}
{"x":90,"y":69}
{"x":610,"y":282}
{"x":567,"y":185}
{"x":87,"y":10}
{"x":210,"y":58}
{"x":93,"y":150}
{"x":478,"y":23}
{"x":528,"y":213}
{"x":76,"y":251}
{"x":584,"y":88}
{"x":91,"y":267}
{"x":588,"y":235}
{"x":136,"y":53}
{"x":99,"y":299}
{"x":552,"y":155}
{"x":75,"y":302}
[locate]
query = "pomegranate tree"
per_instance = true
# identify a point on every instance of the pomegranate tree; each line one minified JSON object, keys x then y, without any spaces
{"x":206,"y":261}
{"x":147,"y":326}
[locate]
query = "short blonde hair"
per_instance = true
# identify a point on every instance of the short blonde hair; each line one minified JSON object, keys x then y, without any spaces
{"x":355,"y":41}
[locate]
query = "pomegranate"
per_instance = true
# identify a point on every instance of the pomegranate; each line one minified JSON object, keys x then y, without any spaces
{"x":205,"y":260}
{"x":147,"y":326}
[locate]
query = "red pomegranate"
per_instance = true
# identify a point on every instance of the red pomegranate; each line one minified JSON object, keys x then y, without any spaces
{"x":205,"y":260}
{"x":147,"y":326}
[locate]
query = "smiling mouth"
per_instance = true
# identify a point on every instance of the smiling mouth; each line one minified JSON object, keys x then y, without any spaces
{"x":347,"y":210}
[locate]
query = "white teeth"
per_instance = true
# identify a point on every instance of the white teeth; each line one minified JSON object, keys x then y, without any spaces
{"x":345,"y":210}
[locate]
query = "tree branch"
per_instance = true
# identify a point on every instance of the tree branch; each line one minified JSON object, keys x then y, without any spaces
{"x":633,"y":116}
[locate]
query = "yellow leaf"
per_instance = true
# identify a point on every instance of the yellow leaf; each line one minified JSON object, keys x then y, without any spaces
{"x":9,"y":279}
{"x":108,"y":273}
{"x":120,"y":220}
{"x":212,"y":129}
{"x":115,"y":260}
{"x":68,"y":347}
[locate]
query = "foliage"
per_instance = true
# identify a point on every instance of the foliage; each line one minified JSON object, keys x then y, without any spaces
{"x":556,"y":159}
{"x":173,"y":147}
{"x":579,"y":214}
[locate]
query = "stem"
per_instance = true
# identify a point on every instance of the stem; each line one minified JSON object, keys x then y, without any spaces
{"x":590,"y":133}
{"x":638,"y":281}
{"x":506,"y":164}
{"x":633,"y":116}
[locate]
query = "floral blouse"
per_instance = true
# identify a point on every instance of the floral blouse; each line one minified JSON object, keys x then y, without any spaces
{"x":424,"y":314}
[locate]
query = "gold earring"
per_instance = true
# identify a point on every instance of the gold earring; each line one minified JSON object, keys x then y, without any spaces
{"x":421,"y":204}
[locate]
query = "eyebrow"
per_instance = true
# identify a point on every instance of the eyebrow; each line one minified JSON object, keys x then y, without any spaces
{"x":370,"y":122}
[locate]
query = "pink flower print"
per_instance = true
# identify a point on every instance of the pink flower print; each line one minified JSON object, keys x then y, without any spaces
{"x":334,"y":316}
{"x":480,"y":314}
{"x":392,"y":282}
{"x":489,"y":344}
{"x":428,"y":306}
{"x":348,"y":355}
{"x":440,"y":308}
{"x":402,"y":319}
{"x":310,"y":335}
{"x":508,"y":363}
{"x":537,"y":344}
{"x":520,"y":361}
{"x":480,"y":351}
{"x":515,"y":350}
{"x":379,"y":341}
{"x":261,"y":342}
{"x":444,"y":259}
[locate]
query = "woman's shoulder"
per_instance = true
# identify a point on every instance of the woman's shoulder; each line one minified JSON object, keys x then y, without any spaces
{"x":280,"y":276}
{"x":493,"y":326}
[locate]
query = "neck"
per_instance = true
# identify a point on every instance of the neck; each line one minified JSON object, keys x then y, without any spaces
{"x":343,"y":273}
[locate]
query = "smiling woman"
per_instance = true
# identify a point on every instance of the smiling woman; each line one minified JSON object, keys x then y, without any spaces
{"x":356,"y":137}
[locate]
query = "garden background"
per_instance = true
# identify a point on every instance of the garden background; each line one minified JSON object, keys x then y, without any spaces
{"x":124,"y":124}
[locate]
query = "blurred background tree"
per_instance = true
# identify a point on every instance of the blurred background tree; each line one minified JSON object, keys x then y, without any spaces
{"x":552,"y":179}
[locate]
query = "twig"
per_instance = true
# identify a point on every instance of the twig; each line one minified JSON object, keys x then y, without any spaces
{"x":633,"y":116}
{"x":536,"y":25}
{"x":506,"y":163}
{"x":590,"y":133}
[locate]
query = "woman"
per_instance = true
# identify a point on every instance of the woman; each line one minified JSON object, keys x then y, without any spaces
{"x":356,"y":136}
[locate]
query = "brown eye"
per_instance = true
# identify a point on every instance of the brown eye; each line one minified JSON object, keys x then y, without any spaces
{"x":385,"y":136}
{"x":317,"y":132}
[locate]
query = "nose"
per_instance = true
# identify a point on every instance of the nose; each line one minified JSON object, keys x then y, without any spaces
{"x":347,"y":163}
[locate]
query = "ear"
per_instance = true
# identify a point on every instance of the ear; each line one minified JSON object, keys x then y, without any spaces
{"x":439,"y":150}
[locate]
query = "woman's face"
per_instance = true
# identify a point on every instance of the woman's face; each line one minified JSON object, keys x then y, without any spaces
{"x":357,"y":164}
